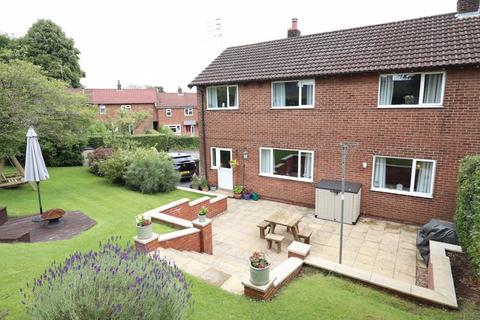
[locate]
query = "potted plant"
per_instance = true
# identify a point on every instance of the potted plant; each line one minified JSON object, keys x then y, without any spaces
{"x":237,"y":192}
{"x":204,"y":184}
{"x":246,"y":195}
{"x":195,"y":182}
{"x":202,"y":214}
{"x":144,"y":227}
{"x":255,"y":196}
{"x":259,"y":269}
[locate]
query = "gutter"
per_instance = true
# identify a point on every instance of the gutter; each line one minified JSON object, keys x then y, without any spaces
{"x":202,"y":105}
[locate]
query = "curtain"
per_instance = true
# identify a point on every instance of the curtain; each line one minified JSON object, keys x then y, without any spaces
{"x":307,"y":165}
{"x":433,"y":88}
{"x":386,"y":90}
{"x":424,"y":179}
{"x":266,"y":161}
{"x":212,"y":97}
{"x":307,"y":93}
{"x":279,"y":98}
{"x":380,"y":170}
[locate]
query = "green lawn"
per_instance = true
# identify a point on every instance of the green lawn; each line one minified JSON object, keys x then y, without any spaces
{"x":313,"y":296}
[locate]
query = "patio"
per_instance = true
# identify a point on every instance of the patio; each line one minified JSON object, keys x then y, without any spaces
{"x":385,"y":248}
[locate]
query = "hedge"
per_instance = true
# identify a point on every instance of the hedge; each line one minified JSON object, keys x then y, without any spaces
{"x":160,"y":142}
{"x":467,"y":215}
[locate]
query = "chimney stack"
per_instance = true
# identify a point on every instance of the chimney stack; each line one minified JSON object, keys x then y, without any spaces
{"x":179,"y":90}
{"x":467,"y":6}
{"x":293,"y":31}
{"x":119,"y":85}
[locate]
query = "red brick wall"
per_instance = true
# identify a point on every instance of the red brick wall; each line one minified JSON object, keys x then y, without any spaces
{"x":178,"y":117}
{"x":346,"y":110}
{"x":113,"y":109}
{"x":190,"y":242}
{"x":187,"y":212}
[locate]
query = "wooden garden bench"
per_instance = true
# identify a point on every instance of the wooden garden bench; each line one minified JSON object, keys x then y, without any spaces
{"x":305,"y":235}
{"x":263,"y":226}
{"x":271,"y":237}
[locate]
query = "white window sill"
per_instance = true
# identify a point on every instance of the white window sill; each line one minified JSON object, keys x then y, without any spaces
{"x":403,"y":193}
{"x":222,"y":109}
{"x":409,"y":106}
{"x":292,"y":108}
{"x":285,"y":177}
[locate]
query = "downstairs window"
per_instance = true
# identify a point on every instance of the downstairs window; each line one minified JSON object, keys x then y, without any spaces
{"x":288,"y":164}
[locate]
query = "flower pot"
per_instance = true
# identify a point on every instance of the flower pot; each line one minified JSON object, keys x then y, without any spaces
{"x":202,"y":217}
{"x":255,"y":196}
{"x":237,"y":195}
{"x":259,"y":277}
{"x":213,"y":188}
{"x":246,"y":195}
{"x":205,"y":189}
{"x":144,"y":232}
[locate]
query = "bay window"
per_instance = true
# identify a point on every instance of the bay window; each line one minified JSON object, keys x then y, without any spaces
{"x":288,"y":164}
{"x":293,"y":94}
{"x":222,"y":97}
{"x":403,"y":176}
{"x":413,"y":89}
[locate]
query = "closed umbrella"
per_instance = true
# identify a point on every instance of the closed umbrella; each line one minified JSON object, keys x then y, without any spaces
{"x":35,"y":169}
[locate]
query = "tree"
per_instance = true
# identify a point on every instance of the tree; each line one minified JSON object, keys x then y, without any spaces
{"x":46,"y":45}
{"x":29,"y":98}
{"x":126,"y":122}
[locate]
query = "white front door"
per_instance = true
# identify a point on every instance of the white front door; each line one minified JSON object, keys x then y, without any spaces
{"x":225,"y":171}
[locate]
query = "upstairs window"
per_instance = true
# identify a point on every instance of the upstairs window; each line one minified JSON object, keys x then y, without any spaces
{"x":413,"y":89}
{"x":102,"y":109}
{"x":168,"y":112}
{"x":403,"y":176}
{"x":126,"y":107}
{"x":222,"y":97}
{"x":188,"y":112}
{"x":293,"y":94}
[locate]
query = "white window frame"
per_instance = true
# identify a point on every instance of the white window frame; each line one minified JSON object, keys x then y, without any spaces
{"x":188,"y":112}
{"x":412,"y":178}
{"x":102,"y":109}
{"x":228,"y":98}
{"x":212,"y":156}
{"x":300,"y":106}
{"x":176,"y":126}
{"x":126,"y":107}
{"x":272,"y":175}
{"x":420,"y":95}
{"x":168,"y":112}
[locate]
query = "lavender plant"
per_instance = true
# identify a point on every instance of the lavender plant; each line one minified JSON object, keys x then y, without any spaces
{"x":114,"y":282}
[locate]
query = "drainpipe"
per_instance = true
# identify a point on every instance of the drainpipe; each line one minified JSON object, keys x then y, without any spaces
{"x":202,"y":105}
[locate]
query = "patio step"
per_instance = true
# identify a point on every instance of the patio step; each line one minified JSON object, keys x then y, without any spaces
{"x":209,"y":268}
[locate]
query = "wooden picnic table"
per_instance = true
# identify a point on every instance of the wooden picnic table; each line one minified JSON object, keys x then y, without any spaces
{"x":289,"y":220}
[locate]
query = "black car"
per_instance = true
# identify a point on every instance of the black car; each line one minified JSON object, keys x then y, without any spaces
{"x":184,"y":163}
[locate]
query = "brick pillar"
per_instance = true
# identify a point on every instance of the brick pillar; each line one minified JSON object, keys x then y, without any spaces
{"x":206,"y":239}
{"x":147,"y":245}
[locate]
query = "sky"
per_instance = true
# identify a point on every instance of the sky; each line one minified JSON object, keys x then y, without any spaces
{"x":167,"y":43}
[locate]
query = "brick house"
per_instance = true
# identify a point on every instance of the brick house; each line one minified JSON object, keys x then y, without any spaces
{"x":175,"y":110}
{"x":407,"y":93}
{"x":179,"y":112}
{"x":112,"y":101}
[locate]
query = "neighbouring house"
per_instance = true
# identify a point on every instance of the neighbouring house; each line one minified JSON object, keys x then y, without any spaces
{"x":179,"y":112}
{"x":406,"y":93}
{"x":175,"y":110}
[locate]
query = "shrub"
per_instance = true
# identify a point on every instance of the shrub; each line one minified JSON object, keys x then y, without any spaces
{"x":161,"y":142}
{"x":467,"y":215}
{"x":96,"y":157}
{"x":114,"y":282}
{"x":114,"y":167}
{"x":150,"y":174}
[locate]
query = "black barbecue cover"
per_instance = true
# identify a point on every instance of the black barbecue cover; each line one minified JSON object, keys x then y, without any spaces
{"x":436,"y":230}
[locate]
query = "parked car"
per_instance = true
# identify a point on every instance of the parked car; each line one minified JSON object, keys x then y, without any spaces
{"x":184,"y":163}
